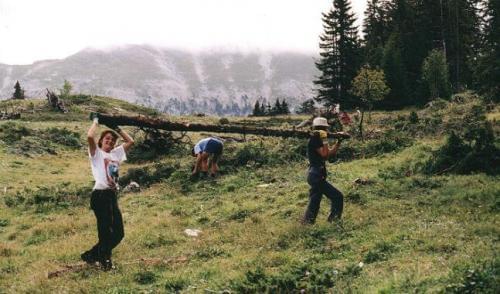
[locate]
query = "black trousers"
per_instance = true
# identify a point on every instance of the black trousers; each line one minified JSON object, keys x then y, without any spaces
{"x":109,"y":222}
{"x":316,"y":178}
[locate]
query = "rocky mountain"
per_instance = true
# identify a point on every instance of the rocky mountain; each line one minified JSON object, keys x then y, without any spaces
{"x":173,"y":81}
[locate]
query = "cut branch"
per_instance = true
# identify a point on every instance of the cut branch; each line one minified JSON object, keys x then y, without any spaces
{"x":147,"y":122}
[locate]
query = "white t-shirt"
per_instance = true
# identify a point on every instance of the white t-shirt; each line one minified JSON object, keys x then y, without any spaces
{"x":105,"y":167}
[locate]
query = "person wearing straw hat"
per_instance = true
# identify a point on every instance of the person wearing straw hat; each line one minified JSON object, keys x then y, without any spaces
{"x":318,"y":152}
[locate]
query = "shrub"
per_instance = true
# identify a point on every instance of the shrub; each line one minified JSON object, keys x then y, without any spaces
{"x":152,"y":146}
{"x":145,"y":277}
{"x":413,"y":118}
{"x":389,"y":142}
{"x":11,"y":132}
{"x":473,"y":152}
{"x":78,"y":99}
{"x":175,"y":284}
{"x":63,"y":137}
{"x":148,"y":175}
{"x":209,"y":253}
{"x":480,"y":279}
{"x":45,"y":198}
{"x":380,"y":252}
{"x":260,"y":154}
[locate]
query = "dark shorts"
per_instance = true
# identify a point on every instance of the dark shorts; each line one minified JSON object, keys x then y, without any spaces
{"x":213,"y":147}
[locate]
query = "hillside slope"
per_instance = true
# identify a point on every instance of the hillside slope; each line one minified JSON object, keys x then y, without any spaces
{"x":403,"y":230}
{"x":174,"y":81}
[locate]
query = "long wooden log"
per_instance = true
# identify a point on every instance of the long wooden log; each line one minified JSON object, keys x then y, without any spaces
{"x":156,"y":123}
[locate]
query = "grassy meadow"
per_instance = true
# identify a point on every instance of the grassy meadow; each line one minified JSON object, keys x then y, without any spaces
{"x":414,"y":222}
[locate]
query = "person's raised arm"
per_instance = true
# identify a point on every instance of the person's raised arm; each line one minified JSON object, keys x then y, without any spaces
{"x":90,"y":136}
{"x":333,"y":151}
{"x":128,"y":140}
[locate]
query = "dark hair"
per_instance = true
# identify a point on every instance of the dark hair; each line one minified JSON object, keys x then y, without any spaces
{"x":192,"y":152}
{"x":104,"y":133}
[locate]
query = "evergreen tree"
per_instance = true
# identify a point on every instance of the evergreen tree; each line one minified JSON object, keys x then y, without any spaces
{"x":276,"y":110}
{"x":488,"y":65}
{"x":269,"y":109}
{"x":18,"y":92}
{"x":462,"y":34}
{"x":307,"y":107}
{"x":256,"y":109}
{"x":263,"y":109}
{"x":284,"y":107}
{"x":395,"y":73}
{"x":435,"y":75}
{"x":340,"y":55}
{"x":375,"y":30}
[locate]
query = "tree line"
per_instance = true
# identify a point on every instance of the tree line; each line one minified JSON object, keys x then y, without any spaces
{"x":421,"y":49}
{"x":278,"y":108}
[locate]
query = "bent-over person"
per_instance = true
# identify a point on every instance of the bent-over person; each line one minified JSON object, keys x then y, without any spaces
{"x":207,"y":152}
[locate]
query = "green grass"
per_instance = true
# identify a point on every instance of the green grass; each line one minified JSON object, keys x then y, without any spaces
{"x":404,"y":231}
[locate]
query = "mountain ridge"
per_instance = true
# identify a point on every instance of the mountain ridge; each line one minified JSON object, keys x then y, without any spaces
{"x":173,"y":80}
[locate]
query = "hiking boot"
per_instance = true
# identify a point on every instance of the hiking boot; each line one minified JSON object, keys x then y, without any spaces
{"x":106,"y":265}
{"x":88,"y":257}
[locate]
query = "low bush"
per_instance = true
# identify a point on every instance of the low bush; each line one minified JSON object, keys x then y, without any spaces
{"x":379,"y":252}
{"x":474,"y":151}
{"x":484,"y":278}
{"x":175,"y":284}
{"x":387,"y":142}
{"x":12,"y":132}
{"x":148,"y":175}
{"x":295,"y":278}
{"x":77,"y":99}
{"x":153,"y":145}
{"x":145,"y":277}
{"x":63,"y":137}
{"x":259,"y":154}
{"x":46,"y":198}
{"x":210,"y":252}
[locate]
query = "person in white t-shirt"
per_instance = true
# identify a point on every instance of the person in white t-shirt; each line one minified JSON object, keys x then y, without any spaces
{"x":105,"y":160}
{"x":208,"y":148}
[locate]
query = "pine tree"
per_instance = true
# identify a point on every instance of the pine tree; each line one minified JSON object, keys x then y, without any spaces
{"x":284,"y":107}
{"x":488,"y":65}
{"x":18,"y":92}
{"x":256,"y":109}
{"x":340,"y":55}
{"x":462,"y":33}
{"x":276,"y":110}
{"x":375,"y":30}
{"x":435,"y":75}
{"x":307,"y":107}
{"x":395,"y":73}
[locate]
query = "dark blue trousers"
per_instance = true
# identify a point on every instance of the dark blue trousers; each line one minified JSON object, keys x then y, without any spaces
{"x":109,"y":223}
{"x":316,"y":178}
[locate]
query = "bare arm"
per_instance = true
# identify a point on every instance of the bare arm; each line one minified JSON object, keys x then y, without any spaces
{"x":128,"y":140}
{"x":333,"y":151}
{"x":323,"y":151}
{"x":326,"y":152}
{"x":91,"y":139}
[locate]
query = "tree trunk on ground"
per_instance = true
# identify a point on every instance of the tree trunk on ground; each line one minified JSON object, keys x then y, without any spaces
{"x":147,"y":122}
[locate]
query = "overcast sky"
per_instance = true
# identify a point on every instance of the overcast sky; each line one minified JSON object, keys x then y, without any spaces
{"x":33,"y":30}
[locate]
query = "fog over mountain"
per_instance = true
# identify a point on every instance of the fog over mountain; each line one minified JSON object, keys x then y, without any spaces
{"x":174,"y":81}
